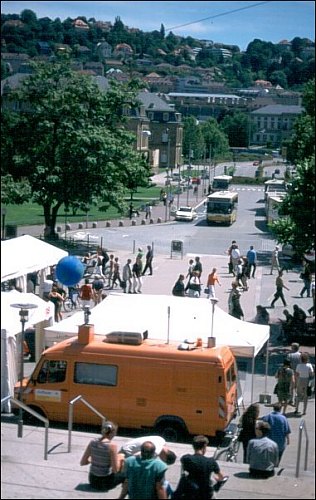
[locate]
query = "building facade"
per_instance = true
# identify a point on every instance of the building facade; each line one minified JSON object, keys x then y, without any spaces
{"x":273,"y":124}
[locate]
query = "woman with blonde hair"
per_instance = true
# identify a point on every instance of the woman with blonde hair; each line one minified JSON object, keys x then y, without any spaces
{"x":102,"y":456}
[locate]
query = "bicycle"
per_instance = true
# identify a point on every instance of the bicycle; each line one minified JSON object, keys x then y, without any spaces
{"x":228,"y":449}
{"x":71,"y":302}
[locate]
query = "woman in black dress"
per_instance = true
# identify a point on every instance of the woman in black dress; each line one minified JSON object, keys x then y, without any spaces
{"x":248,"y":426}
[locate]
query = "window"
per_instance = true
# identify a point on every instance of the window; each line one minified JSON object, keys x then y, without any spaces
{"x":52,"y":372}
{"x":165,"y":117}
{"x":230,"y":377}
{"x":93,"y":374}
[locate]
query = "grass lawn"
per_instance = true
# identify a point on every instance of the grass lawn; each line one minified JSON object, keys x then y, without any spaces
{"x":31,"y":213}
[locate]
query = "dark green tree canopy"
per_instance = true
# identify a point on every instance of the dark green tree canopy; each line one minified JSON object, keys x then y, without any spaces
{"x":70,"y":143}
{"x":297,"y":226}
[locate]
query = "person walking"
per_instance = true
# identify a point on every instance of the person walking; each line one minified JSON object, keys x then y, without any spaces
{"x":149,"y":261}
{"x":144,"y":475}
{"x":248,"y":423}
{"x":57,"y":299}
{"x":279,"y":428}
{"x":303,"y":374}
{"x":139,"y":258}
{"x":229,"y":252}
{"x":195,"y":285}
{"x":311,"y":310}
{"x":275,"y":259}
{"x":127,"y":276}
{"x":137,"y":276}
{"x":110,"y":267}
{"x":211,"y":281}
{"x":286,"y":381}
{"x":97,"y":287}
{"x":200,"y":468}
{"x":294,"y":358}
{"x":102,"y":456}
{"x":279,"y":290}
{"x":306,"y":276}
{"x":252,"y":262}
{"x":189,"y":273}
{"x":262,"y":453}
{"x":86,"y":293}
{"x":148,"y":210}
{"x":198,"y":266}
{"x":235,"y":257}
{"x":234,"y":307}
{"x":116,"y":274}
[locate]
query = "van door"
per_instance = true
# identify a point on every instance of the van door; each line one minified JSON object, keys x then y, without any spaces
{"x":50,"y":389}
{"x":98,"y":384}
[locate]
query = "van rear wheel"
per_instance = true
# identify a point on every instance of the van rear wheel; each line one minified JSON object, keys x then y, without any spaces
{"x":171,"y":432}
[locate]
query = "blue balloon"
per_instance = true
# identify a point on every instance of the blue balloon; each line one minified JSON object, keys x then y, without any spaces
{"x":69,"y":270}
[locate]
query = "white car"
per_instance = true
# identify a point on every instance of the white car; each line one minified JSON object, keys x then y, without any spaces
{"x":186,"y":214}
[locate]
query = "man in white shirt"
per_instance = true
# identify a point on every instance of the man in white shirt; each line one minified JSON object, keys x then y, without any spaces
{"x":133,"y":447}
{"x":294,"y":358}
{"x":303,"y":374}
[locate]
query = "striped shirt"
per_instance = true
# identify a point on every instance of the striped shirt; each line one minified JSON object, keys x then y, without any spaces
{"x":100,"y":458}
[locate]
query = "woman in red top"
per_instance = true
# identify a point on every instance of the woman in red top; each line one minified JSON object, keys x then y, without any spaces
{"x":211,"y":280}
{"x":86,"y":293}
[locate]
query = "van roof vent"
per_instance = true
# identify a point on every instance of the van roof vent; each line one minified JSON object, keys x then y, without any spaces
{"x":131,"y":338}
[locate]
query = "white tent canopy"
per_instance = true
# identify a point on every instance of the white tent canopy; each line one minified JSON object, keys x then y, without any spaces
{"x":10,"y":327}
{"x":189,"y":319}
{"x":25,"y":254}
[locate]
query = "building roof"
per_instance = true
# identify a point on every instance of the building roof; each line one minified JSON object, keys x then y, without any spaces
{"x":196,"y":94}
{"x":153,"y":102}
{"x":279,"y":109}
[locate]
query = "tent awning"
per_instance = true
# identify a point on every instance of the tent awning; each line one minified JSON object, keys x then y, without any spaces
{"x":10,"y":319}
{"x":179,"y":317}
{"x":25,"y":254}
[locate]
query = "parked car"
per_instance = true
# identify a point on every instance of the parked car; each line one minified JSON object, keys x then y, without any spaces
{"x":196,"y":180}
{"x":256,"y":163}
{"x":176,"y":177}
{"x":185,"y":214}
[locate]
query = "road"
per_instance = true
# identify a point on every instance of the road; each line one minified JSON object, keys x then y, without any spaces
{"x":197,"y":236}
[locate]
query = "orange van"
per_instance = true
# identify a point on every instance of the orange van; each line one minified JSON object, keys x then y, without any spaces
{"x":136,"y":383}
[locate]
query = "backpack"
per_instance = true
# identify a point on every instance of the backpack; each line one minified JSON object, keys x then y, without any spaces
{"x":235,"y":253}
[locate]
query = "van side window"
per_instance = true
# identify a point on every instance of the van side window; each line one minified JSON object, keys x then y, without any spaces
{"x":93,"y":374}
{"x":52,"y":372}
{"x":230,"y":377}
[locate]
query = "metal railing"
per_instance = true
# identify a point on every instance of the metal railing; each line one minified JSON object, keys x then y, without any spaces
{"x":36,"y":415}
{"x":71,"y":413}
{"x":301,"y":428}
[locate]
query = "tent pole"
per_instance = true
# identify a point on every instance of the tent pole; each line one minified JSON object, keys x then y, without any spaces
{"x":168,"y":324}
{"x":253,"y":374}
{"x":267,"y":365}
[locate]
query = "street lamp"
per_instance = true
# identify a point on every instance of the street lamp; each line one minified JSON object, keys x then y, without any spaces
{"x":24,"y":313}
{"x":211,"y":343}
{"x":190,"y":167}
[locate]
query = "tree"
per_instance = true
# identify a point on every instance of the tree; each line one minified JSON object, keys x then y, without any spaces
{"x":192,"y":137}
{"x":302,"y":143}
{"x":215,"y":140}
{"x":71,"y":144}
{"x":236,"y":127}
{"x":297,"y":227}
